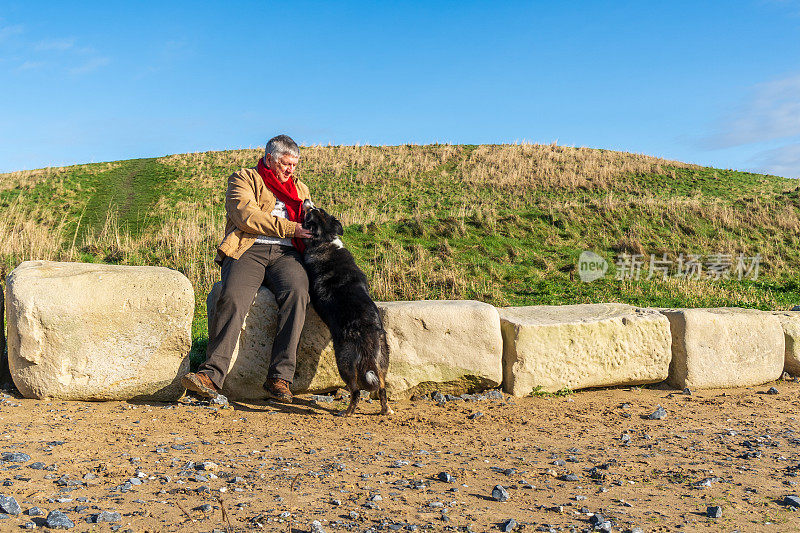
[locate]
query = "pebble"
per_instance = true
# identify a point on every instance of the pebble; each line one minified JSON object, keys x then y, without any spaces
{"x":706,"y":482}
{"x":208,"y":466}
{"x":106,"y":516}
{"x":476,"y":414}
{"x":570,"y":477}
{"x":792,"y":500}
{"x":508,"y":525}
{"x":322,"y":398}
{"x":9,"y":505}
{"x":500,"y":494}
{"x":445,"y":477}
{"x":771,"y":390}
{"x":659,"y":414}
{"x":714,"y":512}
{"x":34,"y":511}
{"x":220,"y":400}
{"x":58,"y":520}
{"x":687,"y":391}
{"x":38,"y":465}
{"x":316,"y":527}
{"x":16,"y":457}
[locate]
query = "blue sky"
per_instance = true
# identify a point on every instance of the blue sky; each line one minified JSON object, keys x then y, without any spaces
{"x":714,"y":83}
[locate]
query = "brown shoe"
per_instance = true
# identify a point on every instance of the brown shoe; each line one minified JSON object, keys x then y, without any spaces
{"x":278,"y":390}
{"x":201,"y":384}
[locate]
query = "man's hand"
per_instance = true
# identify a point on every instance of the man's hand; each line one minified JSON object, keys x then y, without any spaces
{"x":301,"y":233}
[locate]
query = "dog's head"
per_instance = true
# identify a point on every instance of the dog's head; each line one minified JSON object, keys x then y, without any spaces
{"x":322,"y":226}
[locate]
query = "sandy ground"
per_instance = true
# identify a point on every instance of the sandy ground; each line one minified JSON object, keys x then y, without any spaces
{"x":279,"y":468}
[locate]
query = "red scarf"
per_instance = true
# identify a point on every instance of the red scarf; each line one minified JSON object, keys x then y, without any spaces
{"x":286,"y":192}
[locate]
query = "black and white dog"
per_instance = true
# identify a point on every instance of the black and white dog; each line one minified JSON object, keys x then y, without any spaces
{"x":340,"y":295}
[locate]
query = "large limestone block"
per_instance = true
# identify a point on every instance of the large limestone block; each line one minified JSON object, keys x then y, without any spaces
{"x":79,"y":331}
{"x":581,"y":346}
{"x":316,"y":365}
{"x":445,"y":345}
{"x":790,"y":321}
{"x":453,"y":346}
{"x":724,"y":347}
{"x":5,"y":372}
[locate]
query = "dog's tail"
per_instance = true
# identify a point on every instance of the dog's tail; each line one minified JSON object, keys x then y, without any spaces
{"x":368,"y":363}
{"x":372,"y":379}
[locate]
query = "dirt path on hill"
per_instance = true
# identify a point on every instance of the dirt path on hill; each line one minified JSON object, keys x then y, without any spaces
{"x":128,"y":192}
{"x":280,"y":468}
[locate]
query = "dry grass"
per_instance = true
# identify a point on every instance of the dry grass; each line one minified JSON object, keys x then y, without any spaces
{"x":416,"y":274}
{"x":517,"y":165}
{"x":537,"y":166}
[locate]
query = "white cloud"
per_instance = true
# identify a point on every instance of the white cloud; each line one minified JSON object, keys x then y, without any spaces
{"x":31,"y":65}
{"x":89,"y":65}
{"x":22,"y":52}
{"x":771,"y":112}
{"x":10,"y":31}
{"x":57,"y":45}
{"x":783,"y":161}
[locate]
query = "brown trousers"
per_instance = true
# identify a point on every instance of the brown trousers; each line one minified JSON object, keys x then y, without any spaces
{"x":278,"y":267}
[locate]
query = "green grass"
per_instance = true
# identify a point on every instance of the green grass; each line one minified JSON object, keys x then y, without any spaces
{"x":129,"y":193}
{"x":537,"y":392}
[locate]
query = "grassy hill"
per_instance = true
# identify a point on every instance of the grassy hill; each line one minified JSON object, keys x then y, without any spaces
{"x":504,"y":224}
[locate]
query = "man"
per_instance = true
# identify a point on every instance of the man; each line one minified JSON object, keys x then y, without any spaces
{"x":262,"y":246}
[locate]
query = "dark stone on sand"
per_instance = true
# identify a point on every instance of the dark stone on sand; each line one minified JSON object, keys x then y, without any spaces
{"x":500,"y":494}
{"x":792,"y":500}
{"x":508,"y":525}
{"x":9,"y":505}
{"x":446,"y":477}
{"x":15,"y":457}
{"x":58,"y":520}
{"x":659,"y":414}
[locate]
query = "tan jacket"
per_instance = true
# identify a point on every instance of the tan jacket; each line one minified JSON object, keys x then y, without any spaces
{"x":248,"y":204}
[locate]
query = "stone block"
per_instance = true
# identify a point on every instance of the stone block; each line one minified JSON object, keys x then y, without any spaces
{"x":82,"y":331}
{"x":724,"y":347}
{"x":551,"y":347}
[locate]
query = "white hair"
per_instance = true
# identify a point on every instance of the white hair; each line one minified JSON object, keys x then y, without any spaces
{"x":280,"y":145}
